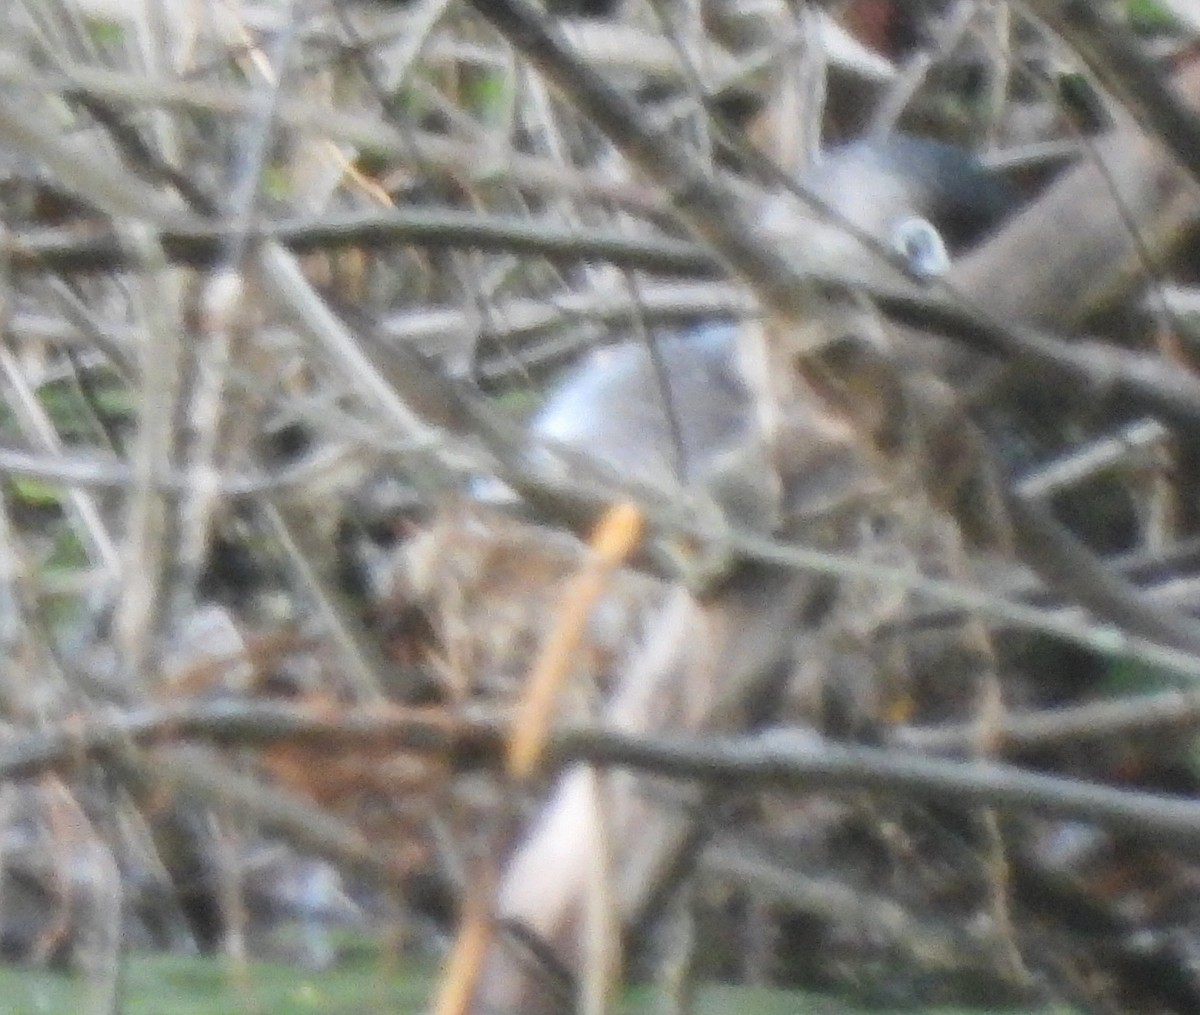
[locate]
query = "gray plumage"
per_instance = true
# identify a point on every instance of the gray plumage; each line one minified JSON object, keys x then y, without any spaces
{"x":615,"y":407}
{"x":650,"y":424}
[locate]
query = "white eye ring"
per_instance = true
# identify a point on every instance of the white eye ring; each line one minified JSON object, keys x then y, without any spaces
{"x":922,"y":247}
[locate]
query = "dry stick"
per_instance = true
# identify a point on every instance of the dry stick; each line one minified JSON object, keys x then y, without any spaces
{"x":788,"y":761}
{"x":802,"y":762}
{"x":189,"y":239}
{"x":483,"y":741}
{"x":1119,"y":61}
{"x":460,"y":977}
{"x":1160,"y":714}
{"x":615,"y":538}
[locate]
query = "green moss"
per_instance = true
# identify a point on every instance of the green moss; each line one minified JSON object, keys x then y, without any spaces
{"x":365,"y":985}
{"x":176,"y":985}
{"x":1149,"y":17}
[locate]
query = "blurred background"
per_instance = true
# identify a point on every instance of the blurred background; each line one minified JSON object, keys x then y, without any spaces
{"x":331,"y":333}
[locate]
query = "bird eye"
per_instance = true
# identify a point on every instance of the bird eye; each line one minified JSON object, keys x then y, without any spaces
{"x":922,"y":247}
